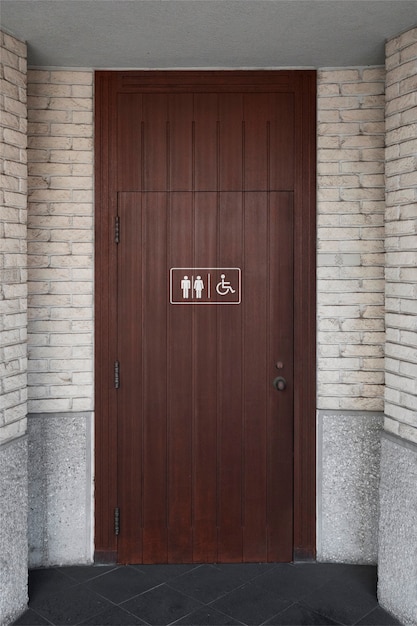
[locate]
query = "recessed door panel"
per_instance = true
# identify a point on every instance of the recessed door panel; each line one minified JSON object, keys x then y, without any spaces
{"x":204,"y":435}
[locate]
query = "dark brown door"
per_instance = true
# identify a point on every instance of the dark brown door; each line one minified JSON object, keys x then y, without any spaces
{"x":204,"y":303}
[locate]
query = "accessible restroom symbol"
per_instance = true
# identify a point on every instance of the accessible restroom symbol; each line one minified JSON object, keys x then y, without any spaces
{"x":205,"y":285}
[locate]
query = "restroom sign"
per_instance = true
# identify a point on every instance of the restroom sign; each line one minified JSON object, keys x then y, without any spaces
{"x":205,"y":285}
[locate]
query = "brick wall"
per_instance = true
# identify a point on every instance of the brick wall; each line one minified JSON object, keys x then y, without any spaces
{"x":351,"y":239}
{"x":60,"y":240}
{"x":401,"y":236}
{"x":13,"y":218}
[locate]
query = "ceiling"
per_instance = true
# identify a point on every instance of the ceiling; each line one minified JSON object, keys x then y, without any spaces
{"x":206,"y":33}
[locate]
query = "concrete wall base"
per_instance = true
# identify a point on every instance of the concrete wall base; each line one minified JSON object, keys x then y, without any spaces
{"x":397,"y":557}
{"x":348,"y":453}
{"x":13,"y":529}
{"x":60,"y":489}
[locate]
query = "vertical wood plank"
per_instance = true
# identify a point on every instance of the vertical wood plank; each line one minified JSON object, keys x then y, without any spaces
{"x":129,"y":142}
{"x":282,"y":138}
{"x":206,"y":142}
{"x":180,"y":399}
{"x":130,"y":358}
{"x":105,"y":313}
{"x":180,"y":141}
{"x":305,"y":316}
{"x":231,"y":142}
{"x":155,"y":142}
{"x":154,"y":397}
{"x":256,"y":378}
{"x":280,"y":426}
{"x":230,"y":405}
{"x":256,"y":141}
{"x":205,"y":390}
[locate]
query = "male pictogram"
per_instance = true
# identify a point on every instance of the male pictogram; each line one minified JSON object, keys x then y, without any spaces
{"x":185,"y":286}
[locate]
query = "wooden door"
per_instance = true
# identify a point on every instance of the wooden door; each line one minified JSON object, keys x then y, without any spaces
{"x":203,"y":186}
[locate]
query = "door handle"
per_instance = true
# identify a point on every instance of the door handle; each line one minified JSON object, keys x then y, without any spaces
{"x":280,"y":383}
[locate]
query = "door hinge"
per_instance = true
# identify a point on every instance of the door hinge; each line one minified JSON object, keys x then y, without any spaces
{"x":116,"y":374}
{"x":117,"y":521}
{"x":117,"y":229}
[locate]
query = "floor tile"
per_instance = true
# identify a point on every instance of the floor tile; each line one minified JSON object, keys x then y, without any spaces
{"x":208,"y":617}
{"x":71,"y":606}
{"x":378,"y":617}
{"x":296,"y":581}
{"x":165,"y":572}
{"x":30,"y":618}
{"x":246,"y":571}
{"x":161,"y":605}
{"x":43,"y":583}
{"x":299,"y":615}
{"x":251,"y":604}
{"x":364,"y":577}
{"x":207,"y":583}
{"x":344,"y":600}
{"x":112,"y":616}
{"x":82,"y":573}
{"x":121,"y":584}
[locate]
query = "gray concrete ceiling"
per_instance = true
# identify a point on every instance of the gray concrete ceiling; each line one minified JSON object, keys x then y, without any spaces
{"x":206,"y":33}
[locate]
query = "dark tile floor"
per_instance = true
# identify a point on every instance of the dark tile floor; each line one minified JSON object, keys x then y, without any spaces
{"x":204,"y":595}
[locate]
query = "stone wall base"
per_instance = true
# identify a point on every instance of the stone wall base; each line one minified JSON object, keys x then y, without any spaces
{"x":348,"y":453}
{"x":60,"y":489}
{"x":13,"y":529}
{"x":397,"y":557}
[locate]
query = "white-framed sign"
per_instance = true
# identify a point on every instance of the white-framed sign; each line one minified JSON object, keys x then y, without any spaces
{"x":205,"y":285}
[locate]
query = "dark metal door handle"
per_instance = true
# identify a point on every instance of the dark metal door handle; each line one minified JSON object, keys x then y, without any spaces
{"x":280,"y":383}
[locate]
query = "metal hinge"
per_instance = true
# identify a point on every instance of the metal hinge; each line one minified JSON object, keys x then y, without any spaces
{"x":117,"y":229}
{"x":117,"y":521}
{"x":116,"y":374}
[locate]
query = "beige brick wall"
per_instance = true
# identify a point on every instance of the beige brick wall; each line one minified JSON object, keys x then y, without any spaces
{"x":60,"y":240}
{"x":401,"y":236}
{"x":350,"y":288}
{"x":13,"y":219}
{"x":350,"y":240}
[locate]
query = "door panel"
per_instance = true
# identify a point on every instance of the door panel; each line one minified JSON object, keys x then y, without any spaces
{"x":204,"y":437}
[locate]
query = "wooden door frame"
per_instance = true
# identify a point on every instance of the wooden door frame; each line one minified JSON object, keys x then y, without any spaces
{"x":303,"y":84}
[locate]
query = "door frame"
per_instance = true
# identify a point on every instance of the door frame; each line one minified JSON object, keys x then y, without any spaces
{"x":302,"y":83}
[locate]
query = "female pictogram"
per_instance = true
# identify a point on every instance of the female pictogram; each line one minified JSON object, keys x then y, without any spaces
{"x":198,"y":286}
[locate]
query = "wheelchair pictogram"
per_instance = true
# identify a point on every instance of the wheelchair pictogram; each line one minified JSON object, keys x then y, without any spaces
{"x":224,"y":286}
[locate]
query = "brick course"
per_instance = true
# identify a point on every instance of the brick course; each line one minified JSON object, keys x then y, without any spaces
{"x":60,"y":240}
{"x":350,"y":286}
{"x":13,"y":219}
